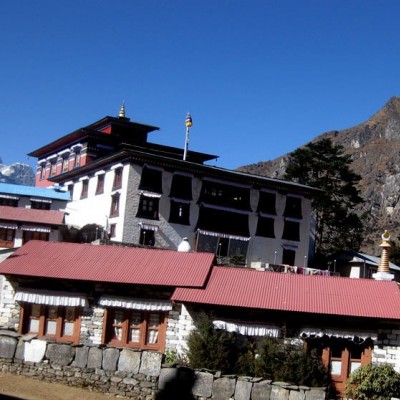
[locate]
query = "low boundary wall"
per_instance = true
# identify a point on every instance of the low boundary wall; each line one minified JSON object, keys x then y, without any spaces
{"x":135,"y":374}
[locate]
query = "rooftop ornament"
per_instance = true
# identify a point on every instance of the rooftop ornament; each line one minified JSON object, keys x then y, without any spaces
{"x":122,"y":111}
{"x":383,"y":273}
{"x":184,"y":246}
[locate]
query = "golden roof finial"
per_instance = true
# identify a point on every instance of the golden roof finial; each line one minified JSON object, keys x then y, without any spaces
{"x":122,"y":110}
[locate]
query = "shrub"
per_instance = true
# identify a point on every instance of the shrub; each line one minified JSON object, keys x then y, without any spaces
{"x":233,"y":354}
{"x":290,"y":362}
{"x":212,"y":348}
{"x":373,"y":382}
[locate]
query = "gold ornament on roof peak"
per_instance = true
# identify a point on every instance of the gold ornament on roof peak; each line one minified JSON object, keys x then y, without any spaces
{"x":122,"y":111}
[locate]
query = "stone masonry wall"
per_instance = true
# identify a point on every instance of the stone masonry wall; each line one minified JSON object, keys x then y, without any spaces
{"x":134,"y":374}
{"x":387,"y":348}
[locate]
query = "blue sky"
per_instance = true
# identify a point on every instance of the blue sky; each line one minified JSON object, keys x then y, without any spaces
{"x":259,"y":77}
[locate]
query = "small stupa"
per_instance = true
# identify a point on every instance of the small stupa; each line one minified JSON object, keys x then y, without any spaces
{"x":383,"y":273}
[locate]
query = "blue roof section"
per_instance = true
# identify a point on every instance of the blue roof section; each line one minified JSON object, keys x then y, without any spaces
{"x":374,"y":260}
{"x":54,"y":192}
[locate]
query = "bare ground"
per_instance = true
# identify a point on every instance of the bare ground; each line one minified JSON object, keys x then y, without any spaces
{"x":18,"y":387}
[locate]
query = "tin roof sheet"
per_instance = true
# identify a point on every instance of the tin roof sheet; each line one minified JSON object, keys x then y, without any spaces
{"x":20,"y":214}
{"x":296,"y":293}
{"x":109,"y":264}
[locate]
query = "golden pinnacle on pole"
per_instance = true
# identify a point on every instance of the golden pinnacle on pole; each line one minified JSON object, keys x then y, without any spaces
{"x":122,"y":111}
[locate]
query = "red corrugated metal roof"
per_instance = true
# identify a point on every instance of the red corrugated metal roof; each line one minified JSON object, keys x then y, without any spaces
{"x":109,"y":264}
{"x":20,"y":214}
{"x":329,"y":295}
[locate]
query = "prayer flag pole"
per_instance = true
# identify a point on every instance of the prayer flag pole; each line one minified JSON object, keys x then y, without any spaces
{"x":188,"y":123}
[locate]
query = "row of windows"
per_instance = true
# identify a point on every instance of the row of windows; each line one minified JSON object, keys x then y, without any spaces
{"x":7,"y":237}
{"x":147,"y":330}
{"x":117,"y":184}
{"x":180,"y":210}
{"x":230,"y":247}
{"x":212,"y":193}
{"x":35,"y":204}
{"x":68,"y":161}
{"x":180,"y":214}
{"x":122,"y":327}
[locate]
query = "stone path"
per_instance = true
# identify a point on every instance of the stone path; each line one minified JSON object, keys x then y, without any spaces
{"x":17,"y":387}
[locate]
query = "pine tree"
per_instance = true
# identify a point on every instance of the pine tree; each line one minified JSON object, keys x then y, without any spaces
{"x":324,"y":165}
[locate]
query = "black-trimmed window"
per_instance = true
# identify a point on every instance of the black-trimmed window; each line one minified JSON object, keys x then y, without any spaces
{"x":135,"y":328}
{"x":148,"y":207}
{"x":288,"y":256}
{"x":265,"y":227}
{"x":179,"y":213}
{"x":113,"y":228}
{"x":117,"y":184}
{"x":8,"y":202}
{"x":181,"y":187}
{"x":225,"y":222}
{"x":222,"y":246}
{"x":85,"y":189}
{"x":100,"y":184}
{"x":151,"y":180}
{"x":293,"y":207}
{"x":70,"y":188}
{"x":114,"y":210}
{"x":60,"y":323}
{"x":291,"y":231}
{"x":43,"y":171}
{"x":225,"y":195}
{"x":147,"y":237}
{"x":40,"y":205}
{"x":267,"y":203}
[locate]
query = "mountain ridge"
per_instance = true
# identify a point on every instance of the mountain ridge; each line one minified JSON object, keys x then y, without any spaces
{"x":374,"y":148}
{"x":17,"y":173}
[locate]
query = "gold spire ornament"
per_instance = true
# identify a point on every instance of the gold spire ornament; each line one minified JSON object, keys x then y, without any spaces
{"x":122,"y":111}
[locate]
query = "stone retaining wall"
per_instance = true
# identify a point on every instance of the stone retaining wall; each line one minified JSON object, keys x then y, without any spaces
{"x":135,"y":374}
{"x":387,"y":349}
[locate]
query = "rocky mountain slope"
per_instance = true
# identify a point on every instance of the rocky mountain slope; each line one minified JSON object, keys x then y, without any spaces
{"x":374,"y":147}
{"x":19,"y":174}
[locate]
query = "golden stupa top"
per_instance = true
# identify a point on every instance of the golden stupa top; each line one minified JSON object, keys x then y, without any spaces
{"x":122,"y":111}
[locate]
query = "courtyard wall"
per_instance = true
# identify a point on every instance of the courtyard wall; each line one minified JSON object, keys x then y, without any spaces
{"x":134,"y":374}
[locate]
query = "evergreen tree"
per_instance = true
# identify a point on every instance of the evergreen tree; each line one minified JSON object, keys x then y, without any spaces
{"x":214,"y":349}
{"x":323,"y":165}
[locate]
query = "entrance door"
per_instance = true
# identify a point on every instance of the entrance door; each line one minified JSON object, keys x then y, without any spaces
{"x":344,"y":357}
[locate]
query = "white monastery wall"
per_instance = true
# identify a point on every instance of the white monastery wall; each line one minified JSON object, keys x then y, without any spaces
{"x":95,"y":209}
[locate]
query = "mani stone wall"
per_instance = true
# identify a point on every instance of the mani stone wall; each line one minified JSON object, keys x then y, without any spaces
{"x":135,"y":374}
